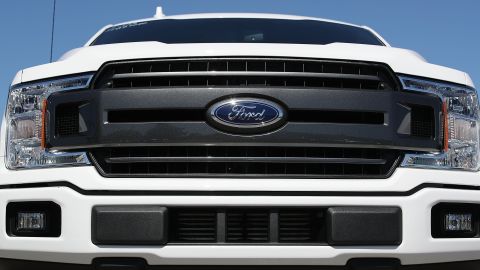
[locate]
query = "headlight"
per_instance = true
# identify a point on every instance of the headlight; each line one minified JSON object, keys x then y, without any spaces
{"x":461,"y":124}
{"x":25,"y":116}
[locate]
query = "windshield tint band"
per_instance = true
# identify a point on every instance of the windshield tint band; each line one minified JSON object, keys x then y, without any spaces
{"x":237,"y":30}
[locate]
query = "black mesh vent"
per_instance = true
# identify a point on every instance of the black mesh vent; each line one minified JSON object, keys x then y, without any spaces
{"x":247,"y":225}
{"x":423,"y":122}
{"x":67,"y":120}
{"x":245,"y":72}
{"x":236,"y":161}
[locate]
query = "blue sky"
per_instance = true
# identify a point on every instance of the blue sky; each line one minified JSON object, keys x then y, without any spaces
{"x":444,"y":32}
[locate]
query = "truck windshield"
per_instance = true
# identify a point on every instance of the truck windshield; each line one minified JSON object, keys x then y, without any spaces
{"x":237,"y":30}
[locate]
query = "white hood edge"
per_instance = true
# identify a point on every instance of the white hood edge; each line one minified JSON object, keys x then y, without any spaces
{"x":90,"y":59}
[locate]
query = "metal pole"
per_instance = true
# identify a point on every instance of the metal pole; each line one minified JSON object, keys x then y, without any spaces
{"x":53,"y":30}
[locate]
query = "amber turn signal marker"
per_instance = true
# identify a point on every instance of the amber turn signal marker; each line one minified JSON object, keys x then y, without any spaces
{"x":445,"y":126}
{"x":44,"y":122}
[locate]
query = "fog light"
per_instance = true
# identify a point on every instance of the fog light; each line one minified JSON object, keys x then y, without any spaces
{"x":33,"y":221}
{"x":458,"y":222}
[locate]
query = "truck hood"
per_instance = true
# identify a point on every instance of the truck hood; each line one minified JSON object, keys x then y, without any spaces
{"x":90,"y":59}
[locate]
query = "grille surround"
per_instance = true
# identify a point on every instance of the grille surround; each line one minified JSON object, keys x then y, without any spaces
{"x":245,"y":162}
{"x":370,"y":122}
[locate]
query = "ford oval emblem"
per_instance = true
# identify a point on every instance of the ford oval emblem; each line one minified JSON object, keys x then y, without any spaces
{"x":246,"y":115}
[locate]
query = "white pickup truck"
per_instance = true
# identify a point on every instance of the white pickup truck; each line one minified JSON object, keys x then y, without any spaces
{"x":240,"y":141}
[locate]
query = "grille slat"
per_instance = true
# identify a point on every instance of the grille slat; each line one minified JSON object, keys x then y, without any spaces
{"x":306,"y":160}
{"x":249,"y":161}
{"x":246,"y":72}
{"x":198,"y":115}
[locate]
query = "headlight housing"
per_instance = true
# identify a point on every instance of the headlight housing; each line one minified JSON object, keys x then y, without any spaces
{"x":460,"y":117}
{"x":25,"y":116}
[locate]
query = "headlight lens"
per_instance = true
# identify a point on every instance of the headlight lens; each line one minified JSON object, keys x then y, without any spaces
{"x":25,"y":116}
{"x":460,"y":122}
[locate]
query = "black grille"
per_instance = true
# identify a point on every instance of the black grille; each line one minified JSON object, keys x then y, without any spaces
{"x":300,"y":226}
{"x":237,"y":161}
{"x":193,"y":225}
{"x":246,"y":225}
{"x":248,"y":72}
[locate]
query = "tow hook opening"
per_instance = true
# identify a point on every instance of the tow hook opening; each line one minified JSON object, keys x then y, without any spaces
{"x":119,"y":264}
{"x":374,"y":264}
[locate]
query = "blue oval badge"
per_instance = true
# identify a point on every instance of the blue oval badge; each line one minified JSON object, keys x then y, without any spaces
{"x":246,"y":115}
